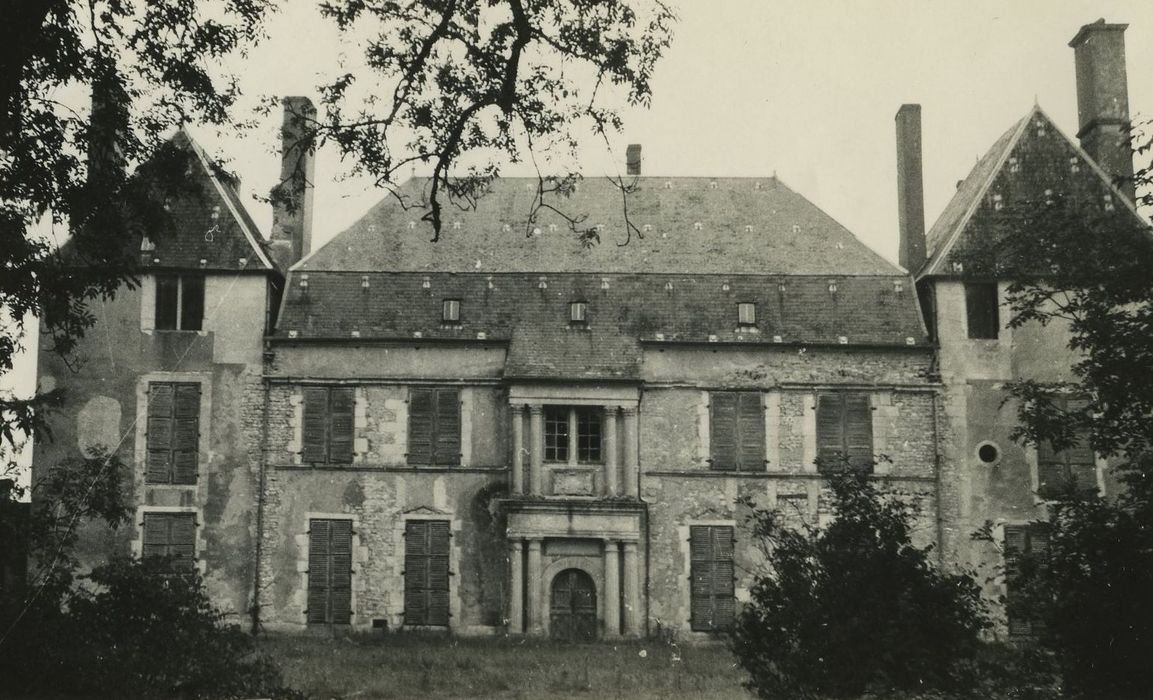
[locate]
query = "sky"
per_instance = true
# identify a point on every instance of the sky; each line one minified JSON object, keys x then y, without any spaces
{"x":804,"y":89}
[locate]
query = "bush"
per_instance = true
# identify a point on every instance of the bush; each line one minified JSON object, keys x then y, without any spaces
{"x":855,"y":607}
{"x":141,"y":632}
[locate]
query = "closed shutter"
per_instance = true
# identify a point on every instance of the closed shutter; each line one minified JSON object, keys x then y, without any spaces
{"x":750,"y":432}
{"x":1075,"y":466}
{"x":161,"y":401}
{"x":830,"y":431}
{"x":314,"y":428}
{"x":170,"y":535}
{"x":173,"y":433}
{"x":858,"y":431}
{"x":186,"y":433}
{"x":1021,"y":540}
{"x":844,"y":431}
{"x":342,"y":406}
{"x":713,"y":601}
{"x":446,"y":450}
{"x":330,"y":572}
{"x":426,"y":573}
{"x":723,"y":429}
{"x":420,"y":425}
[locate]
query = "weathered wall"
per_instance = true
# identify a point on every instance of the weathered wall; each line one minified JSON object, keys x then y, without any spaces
{"x":105,"y":404}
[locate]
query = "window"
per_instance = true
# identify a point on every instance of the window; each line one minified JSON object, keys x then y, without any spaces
{"x":450,"y":311}
{"x":434,"y":427}
{"x":173,"y":433}
{"x":577,"y":313}
{"x":572,"y":433}
{"x":844,"y":431}
{"x":179,"y":302}
{"x":747,"y":314}
{"x":1072,"y":468}
{"x":713,"y":592}
{"x":328,"y":425}
{"x":981,"y":309}
{"x":329,"y":571}
{"x":170,"y":535}
{"x":737,"y":430}
{"x":1025,"y":546}
{"x":426,"y":572}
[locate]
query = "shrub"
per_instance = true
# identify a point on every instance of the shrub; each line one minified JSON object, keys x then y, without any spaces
{"x":855,"y":607}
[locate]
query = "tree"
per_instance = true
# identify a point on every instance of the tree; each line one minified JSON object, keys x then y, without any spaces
{"x":1088,"y":271}
{"x":855,"y":606}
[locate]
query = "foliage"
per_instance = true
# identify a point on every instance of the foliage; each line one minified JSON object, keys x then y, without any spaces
{"x":141,"y":633}
{"x":854,"y":606}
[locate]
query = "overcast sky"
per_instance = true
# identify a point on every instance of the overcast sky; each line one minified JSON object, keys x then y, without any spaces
{"x":806,"y":89}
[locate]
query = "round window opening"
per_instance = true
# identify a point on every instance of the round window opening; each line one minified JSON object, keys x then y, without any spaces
{"x":988,"y":453}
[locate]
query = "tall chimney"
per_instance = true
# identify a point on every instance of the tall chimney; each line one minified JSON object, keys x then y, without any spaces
{"x":910,"y":188}
{"x":633,"y":159}
{"x":1103,"y":99}
{"x":292,"y":196}
{"x":108,"y":127}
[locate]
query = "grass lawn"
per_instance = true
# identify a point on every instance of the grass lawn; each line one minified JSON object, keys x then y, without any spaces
{"x":396,"y":666}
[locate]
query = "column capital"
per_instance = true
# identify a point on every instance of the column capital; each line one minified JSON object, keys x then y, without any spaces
{"x":516,"y":544}
{"x":629,"y":410}
{"x":611,"y":408}
{"x":536,"y":408}
{"x":611,"y":541}
{"x":534,"y":543}
{"x":516,"y":408}
{"x":630,"y":545}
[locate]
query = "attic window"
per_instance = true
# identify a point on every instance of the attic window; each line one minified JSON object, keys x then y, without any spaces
{"x":1108,"y":202}
{"x":604,"y":283}
{"x":668,"y":286}
{"x":600,"y":227}
{"x":647,"y":227}
{"x":713,"y":185}
{"x":898,"y":286}
{"x":668,"y":185}
{"x":747,"y":314}
{"x":542,"y":283}
{"x":1074,"y":165}
{"x":427,"y":283}
{"x":725,"y":287}
{"x":796,"y":228}
{"x":832,"y":286}
{"x":411,"y":225}
{"x":450,"y":311}
{"x":1014,"y":166}
{"x":748,"y":228}
{"x":577,"y":313}
{"x":456,"y":225}
{"x":552,"y":227}
{"x":364,"y":281}
{"x":697,"y":226}
{"x":506,"y":228}
{"x":998,"y":202}
{"x":304,"y":281}
{"x":1048,"y":196}
{"x":958,"y":267}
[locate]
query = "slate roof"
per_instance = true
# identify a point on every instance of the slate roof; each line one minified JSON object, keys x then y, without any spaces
{"x":209,"y":222}
{"x":624,"y":310}
{"x":747,"y":226}
{"x":1031,"y":157}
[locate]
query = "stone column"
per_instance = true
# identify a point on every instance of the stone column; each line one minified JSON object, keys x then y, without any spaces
{"x":536,"y":448}
{"x":612,"y":589}
{"x":572,"y":438}
{"x":535,"y":597}
{"x":610,"y":450}
{"x":517,"y":477}
{"x":516,"y":588}
{"x":632,"y":591}
{"x":631,"y":484}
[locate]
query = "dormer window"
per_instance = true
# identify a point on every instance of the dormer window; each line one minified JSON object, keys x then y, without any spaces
{"x":577,"y":313}
{"x":746,"y":314}
{"x":450,"y":311}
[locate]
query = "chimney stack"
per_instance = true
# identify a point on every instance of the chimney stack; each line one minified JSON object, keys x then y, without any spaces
{"x":1103,"y":99}
{"x":108,"y":126}
{"x":910,"y":188}
{"x":633,"y":159}
{"x":292,"y":196}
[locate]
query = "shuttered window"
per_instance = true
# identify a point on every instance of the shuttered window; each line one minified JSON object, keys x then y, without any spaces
{"x":434,"y":427}
{"x":1074,"y":467}
{"x":329,"y":571}
{"x":1020,"y":540}
{"x":173,"y":432}
{"x":328,"y":425}
{"x":736,"y":430}
{"x":844,"y":431}
{"x":170,"y":535}
{"x":426,"y":572}
{"x":713,"y":587}
{"x":981,"y":310}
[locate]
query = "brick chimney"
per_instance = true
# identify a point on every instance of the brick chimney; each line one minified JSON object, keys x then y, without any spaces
{"x":108,"y":126}
{"x":633,"y":159}
{"x":292,"y":196}
{"x":1103,"y":99}
{"x":910,"y":188}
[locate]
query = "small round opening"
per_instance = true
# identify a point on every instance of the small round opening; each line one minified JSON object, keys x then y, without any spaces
{"x":988,"y":453}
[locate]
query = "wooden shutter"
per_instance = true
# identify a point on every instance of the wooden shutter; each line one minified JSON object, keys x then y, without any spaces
{"x":750,"y":432}
{"x":186,"y":433}
{"x":155,"y":537}
{"x":426,"y":573}
{"x":342,"y":407}
{"x":167,"y":295}
{"x":330,"y":571}
{"x":170,"y":535}
{"x":191,"y":302}
{"x":314,"y":428}
{"x":161,"y":402}
{"x":421,"y":412}
{"x":446,"y":448}
{"x":859,"y":431}
{"x":1021,"y":540}
{"x":830,"y":431}
{"x":713,"y":601}
{"x":723,"y":429}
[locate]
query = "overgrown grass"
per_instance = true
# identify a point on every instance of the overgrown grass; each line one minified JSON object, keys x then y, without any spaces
{"x":401,"y":666}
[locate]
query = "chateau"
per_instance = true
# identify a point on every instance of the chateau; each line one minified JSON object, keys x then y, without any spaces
{"x":510,"y":433}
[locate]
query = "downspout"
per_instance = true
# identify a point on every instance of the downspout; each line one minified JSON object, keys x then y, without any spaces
{"x":260,"y":495}
{"x":940,"y":484}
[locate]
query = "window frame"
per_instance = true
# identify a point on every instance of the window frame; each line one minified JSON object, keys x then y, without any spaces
{"x":567,"y":436}
{"x":341,"y":450}
{"x":179,"y":562}
{"x":982,"y":310}
{"x":847,"y":450}
{"x":450,"y":312}
{"x":445,"y":445}
{"x":436,"y":586}
{"x":174,"y":287}
{"x":175,"y":473}
{"x":748,"y":451}
{"x":747,"y":314}
{"x":706,"y":566}
{"x":336,"y":591}
{"x":578,"y":314}
{"x":1065,"y":461}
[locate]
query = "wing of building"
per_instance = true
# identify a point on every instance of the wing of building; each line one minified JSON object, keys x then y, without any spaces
{"x":506,"y":431}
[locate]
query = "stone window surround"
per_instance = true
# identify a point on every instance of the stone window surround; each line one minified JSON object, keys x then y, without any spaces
{"x":137,"y":543}
{"x":1033,"y":463}
{"x":396,"y":600}
{"x":203,"y":452}
{"x":148,"y":307}
{"x":684,"y":533}
{"x":359,"y":556}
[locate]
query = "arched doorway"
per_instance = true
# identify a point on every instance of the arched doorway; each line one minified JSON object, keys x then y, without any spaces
{"x":573,"y":610}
